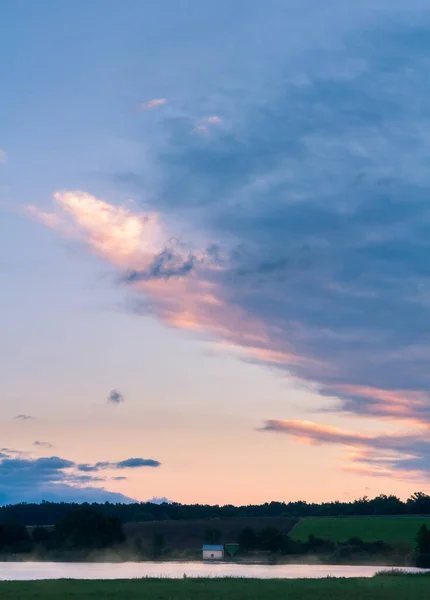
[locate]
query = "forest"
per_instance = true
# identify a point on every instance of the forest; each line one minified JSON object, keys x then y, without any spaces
{"x":48,"y":513}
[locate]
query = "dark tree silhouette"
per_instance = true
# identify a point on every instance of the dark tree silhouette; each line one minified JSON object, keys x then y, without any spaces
{"x":212,"y":536}
{"x":271,"y":540}
{"x":422,"y":540}
{"x":247,"y":539}
{"x":157,"y":544}
{"x":87,"y":528}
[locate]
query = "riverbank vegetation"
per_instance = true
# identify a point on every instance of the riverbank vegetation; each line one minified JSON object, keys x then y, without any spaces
{"x":390,"y":587}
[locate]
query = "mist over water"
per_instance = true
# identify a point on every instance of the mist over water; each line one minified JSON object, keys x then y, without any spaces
{"x":24,"y":571}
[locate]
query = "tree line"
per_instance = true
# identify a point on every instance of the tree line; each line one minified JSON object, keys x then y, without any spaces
{"x":48,"y":513}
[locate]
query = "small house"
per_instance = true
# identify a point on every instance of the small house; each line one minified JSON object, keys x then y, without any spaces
{"x":213,"y":552}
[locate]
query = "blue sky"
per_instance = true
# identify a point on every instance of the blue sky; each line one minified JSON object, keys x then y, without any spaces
{"x":215,"y":249}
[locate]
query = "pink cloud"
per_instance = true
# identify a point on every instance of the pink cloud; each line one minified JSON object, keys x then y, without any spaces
{"x":150,"y":104}
{"x":203,"y":126}
{"x":404,"y":405}
{"x":132,"y":241}
{"x":381,"y":455}
{"x":214,"y":120}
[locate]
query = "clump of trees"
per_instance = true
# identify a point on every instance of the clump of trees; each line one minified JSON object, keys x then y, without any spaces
{"x":82,"y":528}
{"x":87,"y":528}
{"x":422,"y":547}
{"x":273,"y":541}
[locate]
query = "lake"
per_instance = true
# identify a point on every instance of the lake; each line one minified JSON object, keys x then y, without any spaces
{"x":22,"y":571}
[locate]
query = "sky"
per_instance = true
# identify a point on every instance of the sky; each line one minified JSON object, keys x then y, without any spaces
{"x":215,"y":250}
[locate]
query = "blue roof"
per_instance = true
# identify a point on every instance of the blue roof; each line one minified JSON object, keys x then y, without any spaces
{"x":213,"y":547}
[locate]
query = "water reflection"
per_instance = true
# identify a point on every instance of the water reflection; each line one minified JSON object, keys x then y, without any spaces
{"x":175,"y":570}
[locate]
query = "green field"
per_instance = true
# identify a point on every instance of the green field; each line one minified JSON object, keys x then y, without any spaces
{"x":369,"y":529}
{"x":377,"y":588}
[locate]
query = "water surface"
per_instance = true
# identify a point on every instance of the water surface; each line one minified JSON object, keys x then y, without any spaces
{"x":22,"y":571}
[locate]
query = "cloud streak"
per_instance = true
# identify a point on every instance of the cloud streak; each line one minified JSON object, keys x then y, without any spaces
{"x":151,"y":104}
{"x":43,"y":444}
{"x":128,"y":463}
{"x":405,"y":405}
{"x":381,"y":455}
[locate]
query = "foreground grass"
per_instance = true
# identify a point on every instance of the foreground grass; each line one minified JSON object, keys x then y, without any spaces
{"x":398,"y":587}
{"x":369,"y":529}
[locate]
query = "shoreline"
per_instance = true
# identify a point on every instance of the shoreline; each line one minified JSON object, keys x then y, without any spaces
{"x":115,"y":559}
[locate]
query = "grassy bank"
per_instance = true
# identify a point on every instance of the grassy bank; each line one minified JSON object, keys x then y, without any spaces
{"x":378,"y":588}
{"x":370,"y":529}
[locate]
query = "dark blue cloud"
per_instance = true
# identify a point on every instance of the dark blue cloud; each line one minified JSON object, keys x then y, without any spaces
{"x":51,"y":463}
{"x":133,"y":463}
{"x":115,"y":397}
{"x":320,"y":197}
{"x":128,"y":463}
{"x":24,"y":479}
{"x":86,"y":468}
{"x":317,"y":200}
{"x":164,"y":265}
{"x":58,"y":492}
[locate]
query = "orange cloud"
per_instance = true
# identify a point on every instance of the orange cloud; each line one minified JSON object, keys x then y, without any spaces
{"x":115,"y":233}
{"x":131,"y":241}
